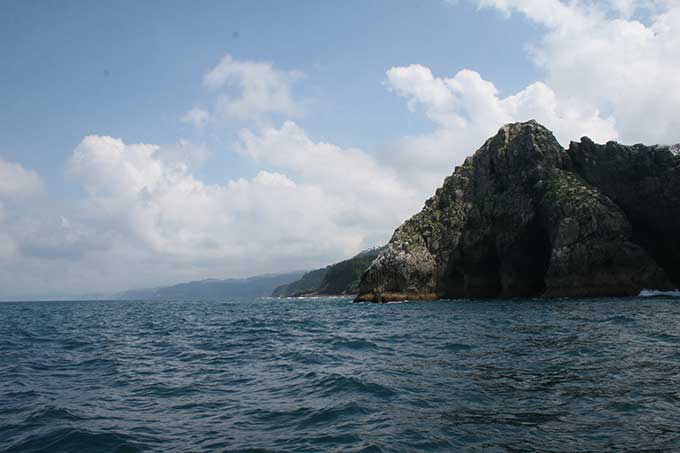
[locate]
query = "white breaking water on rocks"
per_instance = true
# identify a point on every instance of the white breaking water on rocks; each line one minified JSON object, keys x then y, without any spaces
{"x":656,"y":293}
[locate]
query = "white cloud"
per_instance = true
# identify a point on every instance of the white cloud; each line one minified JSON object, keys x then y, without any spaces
{"x":17,"y":181}
{"x":469,"y":104}
{"x":147,"y":219}
{"x":252,"y":90}
{"x":420,"y":87}
{"x":468,"y":109}
{"x":371,"y":199}
{"x":608,"y":74}
{"x":196,"y":116}
{"x":368,"y":190}
{"x":600,"y":54}
{"x":17,"y":186}
{"x":8,"y":245}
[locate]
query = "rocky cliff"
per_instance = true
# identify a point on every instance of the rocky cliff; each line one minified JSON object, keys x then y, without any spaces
{"x":524,"y":217}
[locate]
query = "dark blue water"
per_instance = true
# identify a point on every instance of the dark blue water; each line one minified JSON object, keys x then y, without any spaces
{"x":329,"y":375}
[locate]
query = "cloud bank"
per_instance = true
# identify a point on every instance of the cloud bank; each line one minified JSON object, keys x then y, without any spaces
{"x":615,"y":56}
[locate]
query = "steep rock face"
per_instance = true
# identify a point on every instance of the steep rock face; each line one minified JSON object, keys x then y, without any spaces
{"x":645,"y":182}
{"x":514,"y":220}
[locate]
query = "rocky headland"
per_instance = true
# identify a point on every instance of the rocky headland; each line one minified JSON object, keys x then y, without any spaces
{"x":523,"y":217}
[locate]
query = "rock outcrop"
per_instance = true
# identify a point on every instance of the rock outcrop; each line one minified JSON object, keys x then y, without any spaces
{"x":523,"y":217}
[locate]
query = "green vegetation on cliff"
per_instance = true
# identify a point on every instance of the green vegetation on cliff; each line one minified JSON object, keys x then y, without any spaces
{"x":310,"y":282}
{"x":337,"y":279}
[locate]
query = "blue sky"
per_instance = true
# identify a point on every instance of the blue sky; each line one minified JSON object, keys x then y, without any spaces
{"x":145,"y":143}
{"x":130,"y":69}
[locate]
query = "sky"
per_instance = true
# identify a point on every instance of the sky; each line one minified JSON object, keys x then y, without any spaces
{"x":149,"y":143}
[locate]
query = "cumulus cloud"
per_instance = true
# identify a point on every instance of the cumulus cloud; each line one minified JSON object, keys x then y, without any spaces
{"x":252,"y":90}
{"x":146,"y":218}
{"x":142,"y":205}
{"x":467,"y":102}
{"x":467,"y":109}
{"x":371,"y":195}
{"x":17,"y":181}
{"x":8,"y":245}
{"x":611,"y":73}
{"x":17,"y":185}
{"x":604,"y":55}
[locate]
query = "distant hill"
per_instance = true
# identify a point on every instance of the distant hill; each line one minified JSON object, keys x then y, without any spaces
{"x":258,"y":286}
{"x":309,"y":282}
{"x":337,"y":279}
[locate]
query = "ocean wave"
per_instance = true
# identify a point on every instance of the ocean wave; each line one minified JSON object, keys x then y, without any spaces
{"x":356,"y":344}
{"x":335,"y":384}
{"x":332,"y":414}
{"x":74,"y":440}
{"x":328,"y":375}
{"x":657,"y":293}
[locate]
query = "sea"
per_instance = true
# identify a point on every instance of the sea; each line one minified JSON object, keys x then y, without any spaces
{"x":317,"y":375}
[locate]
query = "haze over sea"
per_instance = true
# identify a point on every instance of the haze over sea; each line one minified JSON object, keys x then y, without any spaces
{"x":329,"y":375}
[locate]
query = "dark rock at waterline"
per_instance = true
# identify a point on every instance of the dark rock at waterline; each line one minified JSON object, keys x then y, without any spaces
{"x":523,"y":217}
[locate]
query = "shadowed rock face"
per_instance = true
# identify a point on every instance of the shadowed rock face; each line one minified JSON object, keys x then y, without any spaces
{"x":523,"y":217}
{"x":645,"y":182}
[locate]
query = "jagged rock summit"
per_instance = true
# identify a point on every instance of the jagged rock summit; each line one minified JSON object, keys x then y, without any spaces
{"x":523,"y":217}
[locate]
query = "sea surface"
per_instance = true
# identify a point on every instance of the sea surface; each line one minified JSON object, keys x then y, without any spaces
{"x":315,"y":375}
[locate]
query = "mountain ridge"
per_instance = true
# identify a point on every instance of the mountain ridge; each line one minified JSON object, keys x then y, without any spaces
{"x":212,"y":288}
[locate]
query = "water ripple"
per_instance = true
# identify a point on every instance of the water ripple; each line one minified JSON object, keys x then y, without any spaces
{"x":329,"y":375}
